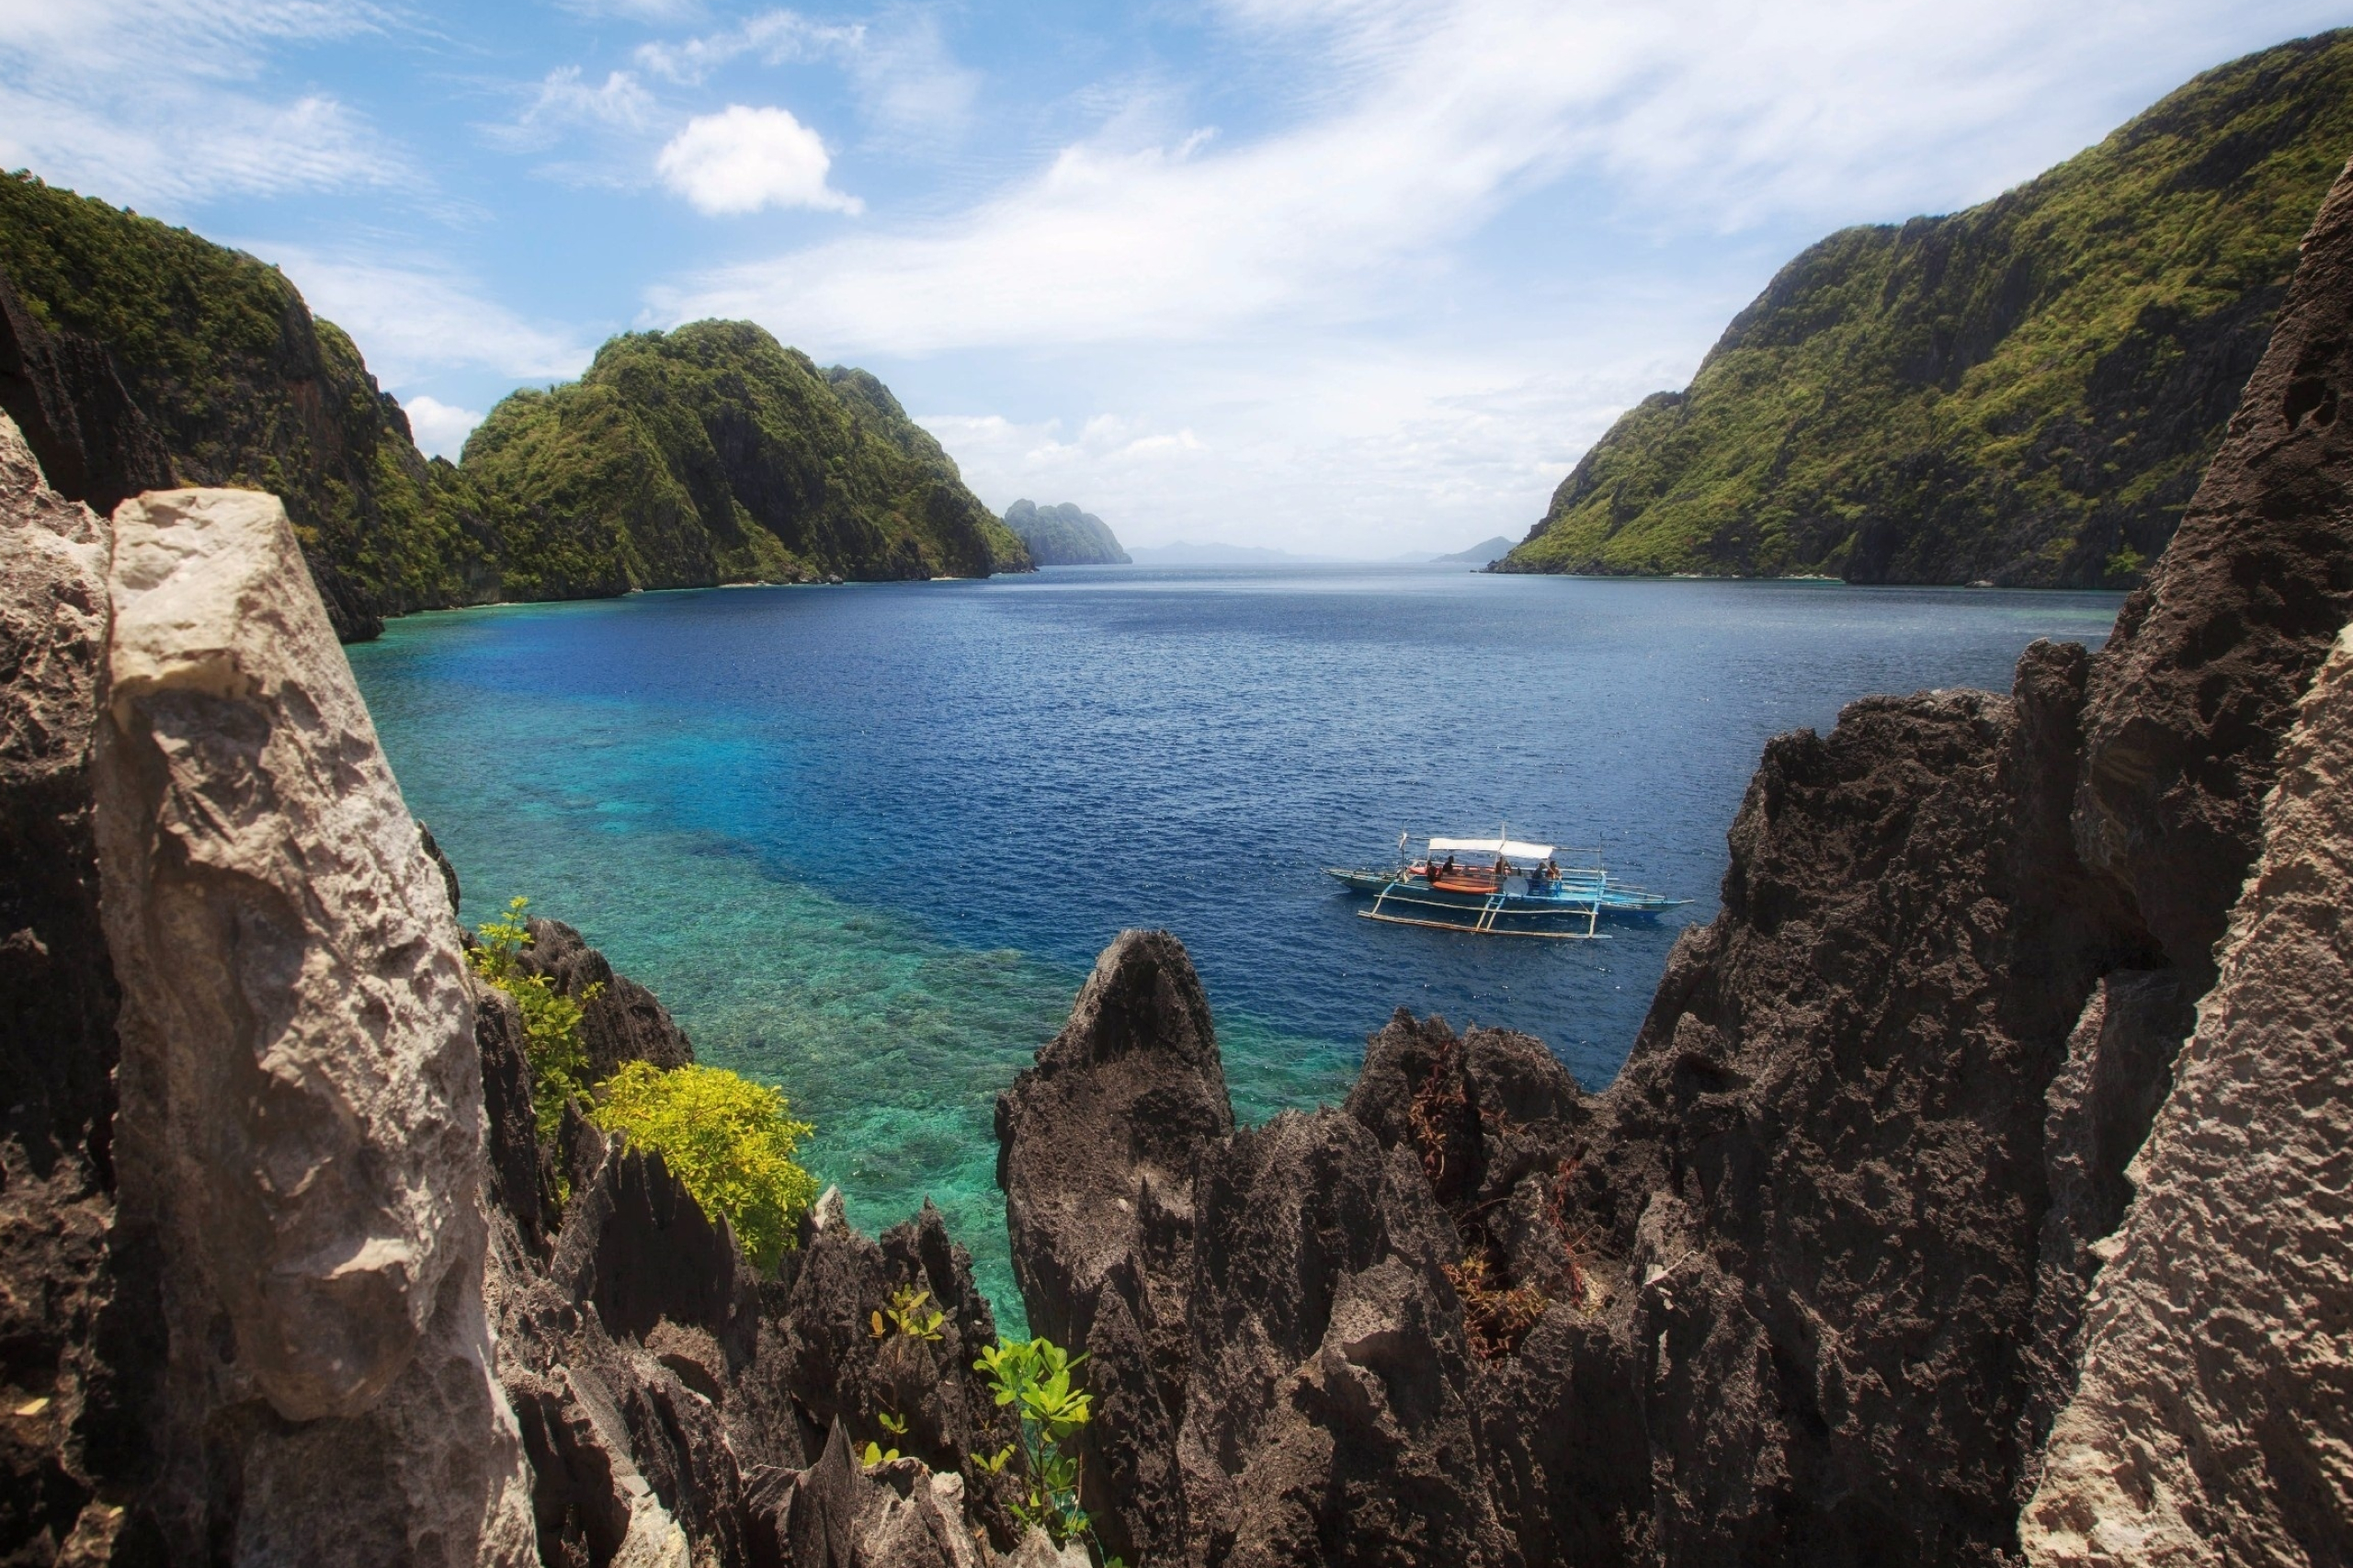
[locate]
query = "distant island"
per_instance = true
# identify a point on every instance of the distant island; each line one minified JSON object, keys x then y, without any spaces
{"x":1484,"y":553}
{"x":1065,"y":536}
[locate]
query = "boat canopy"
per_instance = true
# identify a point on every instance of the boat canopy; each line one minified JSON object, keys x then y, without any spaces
{"x":1510,"y":848}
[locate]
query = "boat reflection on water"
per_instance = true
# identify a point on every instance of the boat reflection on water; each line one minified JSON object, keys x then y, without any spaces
{"x":1502,"y":887}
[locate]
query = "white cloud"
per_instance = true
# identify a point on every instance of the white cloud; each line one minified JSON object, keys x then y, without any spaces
{"x":417,"y":317}
{"x":744,"y":159}
{"x":441,"y":428}
{"x":154,"y":102}
{"x":910,"y":87}
{"x":652,"y":12}
{"x":1431,"y":119}
{"x":775,"y":38}
{"x":563,"y":103}
{"x":1348,"y":448}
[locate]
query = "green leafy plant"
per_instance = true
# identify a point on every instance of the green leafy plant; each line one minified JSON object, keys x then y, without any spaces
{"x":729,"y":1140}
{"x":1033,"y":1378}
{"x":551,"y":1040}
{"x":892,"y":1423}
{"x":906,"y":1314}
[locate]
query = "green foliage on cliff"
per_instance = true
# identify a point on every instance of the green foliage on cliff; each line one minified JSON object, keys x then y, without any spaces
{"x":713,"y":453}
{"x":704,"y":455}
{"x":552,"y":1036}
{"x":221,"y":356}
{"x":1033,"y":1379}
{"x":2024,"y":392}
{"x":730,"y":1143}
{"x":1065,"y":536}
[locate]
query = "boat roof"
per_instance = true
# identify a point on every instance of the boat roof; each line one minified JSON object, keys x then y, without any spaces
{"x":1510,"y":848}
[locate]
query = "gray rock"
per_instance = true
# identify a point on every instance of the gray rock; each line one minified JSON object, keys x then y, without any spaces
{"x":2199,"y":683}
{"x":1065,"y":536}
{"x":76,"y":1289}
{"x":1275,"y":1347}
{"x":2213,"y":1423}
{"x":301,"y":1123}
{"x":1095,"y":1153}
{"x":623,"y":1021}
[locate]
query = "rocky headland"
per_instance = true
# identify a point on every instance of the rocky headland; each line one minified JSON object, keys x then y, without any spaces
{"x":2025,"y":392}
{"x":1974,"y":1193}
{"x":134,"y":357}
{"x":1065,"y":536}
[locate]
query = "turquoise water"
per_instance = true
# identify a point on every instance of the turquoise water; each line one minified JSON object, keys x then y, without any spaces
{"x":865,"y":841}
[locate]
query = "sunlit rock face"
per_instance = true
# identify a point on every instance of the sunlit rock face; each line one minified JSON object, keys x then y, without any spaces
{"x":300,"y":1121}
{"x":2212,"y":1423}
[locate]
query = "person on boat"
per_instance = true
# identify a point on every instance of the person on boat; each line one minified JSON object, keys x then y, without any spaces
{"x":1447,"y":869}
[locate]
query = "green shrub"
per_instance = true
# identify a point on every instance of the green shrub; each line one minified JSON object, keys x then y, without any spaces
{"x":730,"y":1143}
{"x":1033,"y":1377}
{"x":551,"y":1040}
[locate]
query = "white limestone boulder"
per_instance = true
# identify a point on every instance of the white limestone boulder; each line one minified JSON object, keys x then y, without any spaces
{"x":300,"y":1092}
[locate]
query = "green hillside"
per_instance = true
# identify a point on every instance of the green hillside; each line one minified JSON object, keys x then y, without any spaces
{"x":713,"y":453}
{"x":231,"y":376}
{"x":2025,"y":391}
{"x":136,"y":355}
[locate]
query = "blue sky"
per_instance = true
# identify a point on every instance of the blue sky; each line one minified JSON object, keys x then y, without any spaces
{"x":1350,"y":276}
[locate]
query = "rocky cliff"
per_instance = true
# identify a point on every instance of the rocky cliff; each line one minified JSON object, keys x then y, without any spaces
{"x":1065,"y":536}
{"x":2025,"y":392}
{"x":288,"y":1276}
{"x":1870,"y":1246}
{"x":134,"y":357}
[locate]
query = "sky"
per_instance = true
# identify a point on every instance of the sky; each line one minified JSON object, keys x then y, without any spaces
{"x":1351,"y":277}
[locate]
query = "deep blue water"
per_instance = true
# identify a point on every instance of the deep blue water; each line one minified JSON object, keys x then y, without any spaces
{"x":865,"y":841}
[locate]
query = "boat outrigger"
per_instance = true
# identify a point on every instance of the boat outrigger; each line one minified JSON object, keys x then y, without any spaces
{"x":1501,"y":887}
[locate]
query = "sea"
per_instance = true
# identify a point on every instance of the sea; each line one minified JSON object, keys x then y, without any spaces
{"x":865,"y":841}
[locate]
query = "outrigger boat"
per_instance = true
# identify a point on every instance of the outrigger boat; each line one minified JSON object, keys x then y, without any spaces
{"x":1501,"y":887}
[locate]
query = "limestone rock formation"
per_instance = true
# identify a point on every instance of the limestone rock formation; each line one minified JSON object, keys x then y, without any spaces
{"x":1825,"y":1155}
{"x":2213,"y":1422}
{"x":2198,"y":686}
{"x":299,"y":1129}
{"x":1065,"y":536}
{"x":619,"y":1019}
{"x":1096,"y":1151}
{"x":675,"y":1404}
{"x":1276,"y":1348}
{"x":72,"y":1309}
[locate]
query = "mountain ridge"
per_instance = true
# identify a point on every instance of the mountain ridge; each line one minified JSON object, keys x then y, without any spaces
{"x":137,"y":355}
{"x":2024,"y":392}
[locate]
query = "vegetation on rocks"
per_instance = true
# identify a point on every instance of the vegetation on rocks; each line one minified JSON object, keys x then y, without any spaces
{"x":1033,"y":1379}
{"x":730,"y":1142}
{"x":2025,"y":392}
{"x":245,"y":388}
{"x":551,"y":1034}
{"x":704,"y":455}
{"x":713,"y":453}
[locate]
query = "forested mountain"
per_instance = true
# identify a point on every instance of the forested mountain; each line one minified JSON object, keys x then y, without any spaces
{"x":713,"y":453}
{"x":137,"y":355}
{"x":2025,"y":392}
